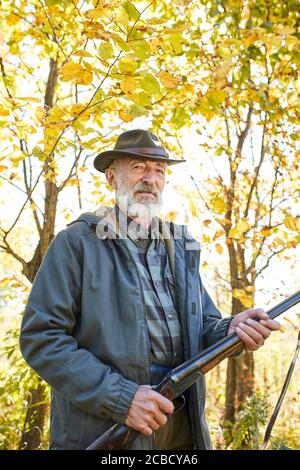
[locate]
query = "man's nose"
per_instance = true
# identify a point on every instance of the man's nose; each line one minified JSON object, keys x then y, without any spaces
{"x":149,"y":177}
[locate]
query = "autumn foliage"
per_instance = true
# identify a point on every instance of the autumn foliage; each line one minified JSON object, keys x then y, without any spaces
{"x":218,"y":83}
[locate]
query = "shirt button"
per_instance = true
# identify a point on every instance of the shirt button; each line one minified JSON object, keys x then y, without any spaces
{"x":157,"y":283}
{"x":170,"y":317}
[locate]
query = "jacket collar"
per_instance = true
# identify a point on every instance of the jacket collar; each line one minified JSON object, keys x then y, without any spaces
{"x":105,"y":221}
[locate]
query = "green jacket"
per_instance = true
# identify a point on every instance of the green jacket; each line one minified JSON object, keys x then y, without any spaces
{"x":84,"y":329}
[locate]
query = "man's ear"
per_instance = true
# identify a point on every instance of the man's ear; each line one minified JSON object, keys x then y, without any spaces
{"x":110,"y":178}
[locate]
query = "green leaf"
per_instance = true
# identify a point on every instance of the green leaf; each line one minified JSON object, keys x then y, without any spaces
{"x":137,"y":111}
{"x":128,"y":64}
{"x":141,"y":49}
{"x":150,"y":84}
{"x":38,"y":152}
{"x":180,"y":118}
{"x":121,"y":17}
{"x":143,"y":98}
{"x":175,"y":41}
{"x":132,"y":11}
{"x":215,"y":97}
{"x":120,"y":42}
{"x":106,"y":50}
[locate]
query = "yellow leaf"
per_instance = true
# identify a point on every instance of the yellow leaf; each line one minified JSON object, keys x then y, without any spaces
{"x":233,"y":233}
{"x":121,"y":16}
{"x":215,"y":97}
{"x":206,"y":222}
{"x":222,"y":71}
{"x":85,"y":78}
{"x":128,"y":84}
{"x":219,"y":205}
{"x":40,"y":113}
{"x":238,"y":231}
{"x":243,"y":296}
{"x":3,"y":168}
{"x":193,"y":208}
{"x":72,"y":182}
{"x":171,"y":216}
{"x":96,"y":13}
{"x":242,"y":226}
{"x":168,"y":80}
{"x":82,"y":53}
{"x":16,"y":284}
{"x":25,"y":98}
{"x":128,"y":64}
{"x":12,"y":19}
{"x":206,"y":238}
{"x":219,"y":248}
{"x":292,"y":223}
{"x":265,"y":231}
{"x":70,"y":71}
{"x":77,"y":108}
{"x":5,"y":281}
{"x":218,"y":234}
{"x":125,"y":116}
{"x":17,"y":158}
{"x":4,"y":111}
{"x":74,"y":71}
{"x":292,"y":43}
{"x":250,"y":289}
{"x":250,"y":40}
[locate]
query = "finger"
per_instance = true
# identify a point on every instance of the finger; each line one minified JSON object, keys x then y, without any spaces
{"x":248,"y":342}
{"x":146,"y":430}
{"x":271,"y":324}
{"x":252,"y":333}
{"x":258,"y":313}
{"x":165,"y":405}
{"x":160,"y":418}
{"x":265,"y":332}
{"x":153,"y":424}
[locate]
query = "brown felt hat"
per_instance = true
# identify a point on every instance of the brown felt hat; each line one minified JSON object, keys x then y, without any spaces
{"x":139,"y":144}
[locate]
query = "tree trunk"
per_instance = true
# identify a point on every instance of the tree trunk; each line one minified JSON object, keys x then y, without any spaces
{"x":230,"y":407}
{"x":240,"y":370}
{"x":32,"y":434}
{"x":245,"y":377}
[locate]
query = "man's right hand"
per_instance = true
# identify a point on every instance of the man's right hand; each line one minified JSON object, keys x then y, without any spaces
{"x":148,"y":410}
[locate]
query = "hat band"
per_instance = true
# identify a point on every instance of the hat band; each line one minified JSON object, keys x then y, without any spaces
{"x":148,"y":150}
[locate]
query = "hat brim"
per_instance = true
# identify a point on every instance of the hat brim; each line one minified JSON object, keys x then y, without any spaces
{"x":104,"y":159}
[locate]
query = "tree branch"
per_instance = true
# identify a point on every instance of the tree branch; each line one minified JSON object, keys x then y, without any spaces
{"x":257,"y":169}
{"x":8,"y":249}
{"x":63,"y":184}
{"x":268,"y":261}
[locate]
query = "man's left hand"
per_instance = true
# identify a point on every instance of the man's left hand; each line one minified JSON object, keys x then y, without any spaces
{"x":250,"y":331}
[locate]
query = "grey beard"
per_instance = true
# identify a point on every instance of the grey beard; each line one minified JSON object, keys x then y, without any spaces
{"x":144,"y":210}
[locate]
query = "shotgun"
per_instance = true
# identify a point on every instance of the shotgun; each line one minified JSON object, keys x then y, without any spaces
{"x":120,"y":436}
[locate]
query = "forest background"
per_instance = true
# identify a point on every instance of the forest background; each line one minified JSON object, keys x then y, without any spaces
{"x":218,"y":82}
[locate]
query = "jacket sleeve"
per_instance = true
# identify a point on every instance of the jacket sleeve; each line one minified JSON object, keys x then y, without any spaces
{"x":214,"y":326}
{"x":49,"y":347}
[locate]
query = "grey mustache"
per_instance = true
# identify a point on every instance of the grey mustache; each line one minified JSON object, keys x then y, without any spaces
{"x":146,"y":189}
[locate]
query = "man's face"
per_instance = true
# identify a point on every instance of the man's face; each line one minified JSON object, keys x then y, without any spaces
{"x":139,"y":185}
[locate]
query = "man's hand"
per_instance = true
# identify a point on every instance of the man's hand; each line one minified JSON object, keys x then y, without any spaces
{"x":148,"y":410}
{"x":253,"y":333}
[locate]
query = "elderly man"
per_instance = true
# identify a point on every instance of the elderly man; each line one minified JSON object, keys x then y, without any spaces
{"x":116,"y":303}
